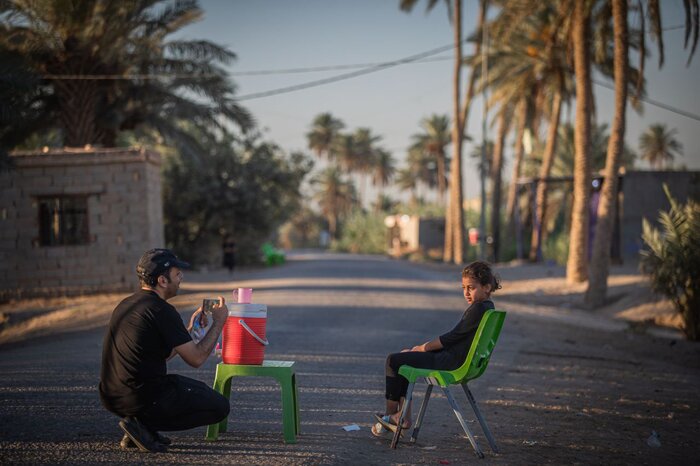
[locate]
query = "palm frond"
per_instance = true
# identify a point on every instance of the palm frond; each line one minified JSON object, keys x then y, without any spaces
{"x":200,"y":50}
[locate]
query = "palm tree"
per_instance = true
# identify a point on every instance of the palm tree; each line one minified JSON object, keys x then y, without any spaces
{"x":518,"y":151}
{"x":385,"y":203}
{"x":407,"y":181}
{"x":600,"y":261}
{"x":532,"y":65}
{"x":584,"y":27}
{"x":658,"y":145}
{"x":504,"y":116}
{"x":484,"y":169}
{"x":423,"y":168}
{"x":365,"y":152}
{"x":597,"y":284}
{"x":454,"y":221}
{"x":545,"y":170}
{"x":67,"y":44}
{"x":563,"y":165}
{"x":383,"y":170}
{"x":324,"y":130}
{"x":335,"y":197}
{"x":577,"y":262}
{"x":432,"y":142}
{"x":522,"y":68}
{"x":344,"y":150}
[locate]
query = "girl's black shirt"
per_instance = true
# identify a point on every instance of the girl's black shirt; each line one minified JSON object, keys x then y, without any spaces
{"x":456,"y":342}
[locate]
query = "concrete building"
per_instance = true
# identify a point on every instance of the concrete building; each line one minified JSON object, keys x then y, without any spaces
{"x":77,"y":220}
{"x":642,"y":196}
{"x":410,"y":233}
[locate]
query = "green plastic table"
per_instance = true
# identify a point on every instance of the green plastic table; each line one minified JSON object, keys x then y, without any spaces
{"x":282,"y":371}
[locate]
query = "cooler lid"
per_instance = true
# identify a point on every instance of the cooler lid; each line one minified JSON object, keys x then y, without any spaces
{"x":247,"y":310}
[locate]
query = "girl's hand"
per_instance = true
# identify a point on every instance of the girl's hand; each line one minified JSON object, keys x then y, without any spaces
{"x":418,"y":348}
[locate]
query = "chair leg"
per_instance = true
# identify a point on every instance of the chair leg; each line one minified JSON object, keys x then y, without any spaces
{"x":226,"y":391}
{"x":404,"y":410}
{"x":289,"y":420}
{"x":297,"y":419}
{"x":460,"y":418}
{"x":482,"y":421}
{"x":421,"y":413}
{"x":222,"y":386}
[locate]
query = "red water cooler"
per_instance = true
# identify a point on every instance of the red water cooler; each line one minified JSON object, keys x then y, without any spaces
{"x":243,"y":339}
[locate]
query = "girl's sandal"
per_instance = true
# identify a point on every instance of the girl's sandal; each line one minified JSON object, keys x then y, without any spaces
{"x":379,"y":431}
{"x":387,"y":424}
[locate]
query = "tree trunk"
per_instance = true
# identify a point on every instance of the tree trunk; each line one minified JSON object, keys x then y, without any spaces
{"x":454,"y":214}
{"x":577,"y":262}
{"x":441,"y":178}
{"x":688,"y":306}
{"x":600,"y":261}
{"x":517,"y":160}
{"x":77,"y":103}
{"x":457,"y":216}
{"x":545,"y":169}
{"x":332,"y":222}
{"x":496,"y":175}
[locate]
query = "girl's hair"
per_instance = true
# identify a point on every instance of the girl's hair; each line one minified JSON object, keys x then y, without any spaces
{"x":481,"y":272}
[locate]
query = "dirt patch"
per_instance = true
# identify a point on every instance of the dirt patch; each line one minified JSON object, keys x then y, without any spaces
{"x":629,"y":295}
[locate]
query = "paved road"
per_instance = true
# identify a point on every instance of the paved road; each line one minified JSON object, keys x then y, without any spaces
{"x":562,"y":387}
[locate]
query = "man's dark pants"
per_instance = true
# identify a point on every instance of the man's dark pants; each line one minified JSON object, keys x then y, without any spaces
{"x":184,"y":404}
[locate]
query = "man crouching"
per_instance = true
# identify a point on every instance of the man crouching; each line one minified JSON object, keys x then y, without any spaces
{"x":143,"y":333}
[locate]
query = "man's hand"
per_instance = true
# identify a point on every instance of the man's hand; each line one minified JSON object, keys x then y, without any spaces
{"x":195,"y":354}
{"x":198,"y":314}
{"x":220,"y":312}
{"x":204,"y":318}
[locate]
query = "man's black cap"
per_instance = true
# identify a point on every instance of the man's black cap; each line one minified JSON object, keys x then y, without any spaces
{"x":155,"y":262}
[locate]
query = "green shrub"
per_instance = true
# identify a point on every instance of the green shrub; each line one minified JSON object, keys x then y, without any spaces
{"x":672,"y":260}
{"x":362,"y":233}
{"x":555,"y":247}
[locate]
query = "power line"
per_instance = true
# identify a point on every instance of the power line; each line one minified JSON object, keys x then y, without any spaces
{"x":341,"y":77}
{"x":366,"y":69}
{"x":654,"y":102}
{"x":313,"y":69}
{"x":122,"y":77}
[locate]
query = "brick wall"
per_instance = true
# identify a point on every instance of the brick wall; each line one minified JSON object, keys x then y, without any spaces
{"x":124,"y":212}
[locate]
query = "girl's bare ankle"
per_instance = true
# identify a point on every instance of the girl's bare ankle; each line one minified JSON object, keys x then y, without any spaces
{"x":395,"y":420}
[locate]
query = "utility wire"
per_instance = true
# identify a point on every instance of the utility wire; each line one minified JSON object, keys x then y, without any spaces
{"x":341,"y":77}
{"x":367,"y":68}
{"x":312,"y":69}
{"x":656,"y":103}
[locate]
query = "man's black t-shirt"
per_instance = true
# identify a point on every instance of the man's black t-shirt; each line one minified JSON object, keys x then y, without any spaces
{"x":456,"y":342}
{"x":142,"y":333}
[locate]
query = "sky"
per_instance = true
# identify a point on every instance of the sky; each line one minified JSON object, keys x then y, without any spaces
{"x":281,"y":35}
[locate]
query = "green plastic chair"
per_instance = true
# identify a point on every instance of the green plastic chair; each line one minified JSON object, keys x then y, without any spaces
{"x":271,"y":255}
{"x":475,"y":365}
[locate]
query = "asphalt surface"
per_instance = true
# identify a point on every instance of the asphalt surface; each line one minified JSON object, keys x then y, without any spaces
{"x":558,"y":390}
